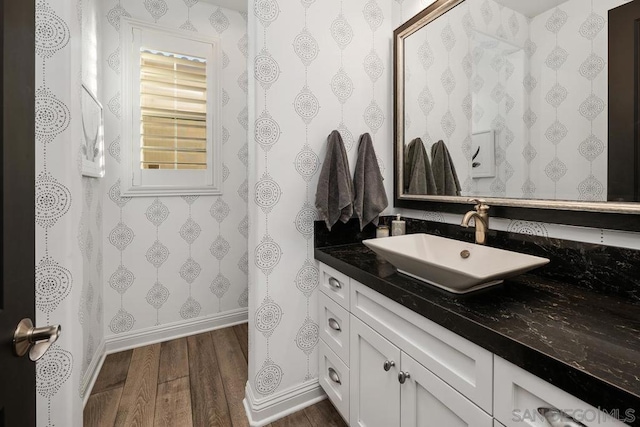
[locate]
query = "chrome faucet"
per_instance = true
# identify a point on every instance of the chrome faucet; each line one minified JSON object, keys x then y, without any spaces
{"x":481,"y":217}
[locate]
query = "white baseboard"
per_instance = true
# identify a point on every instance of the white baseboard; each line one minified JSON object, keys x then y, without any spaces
{"x":93,"y":370}
{"x":156,"y":334}
{"x":261,"y":412}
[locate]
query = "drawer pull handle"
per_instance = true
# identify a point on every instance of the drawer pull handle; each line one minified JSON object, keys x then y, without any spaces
{"x":388,"y":365}
{"x":333,"y":324}
{"x":335,"y":284}
{"x":403,"y":376}
{"x":334,"y":376}
{"x":557,"y":418}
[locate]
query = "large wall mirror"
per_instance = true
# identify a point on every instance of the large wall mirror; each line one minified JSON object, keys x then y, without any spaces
{"x":531,"y":105}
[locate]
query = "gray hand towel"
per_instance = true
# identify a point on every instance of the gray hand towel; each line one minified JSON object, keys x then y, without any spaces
{"x":444,"y":171}
{"x":371,"y":197}
{"x":418,"y":176}
{"x":334,"y":196}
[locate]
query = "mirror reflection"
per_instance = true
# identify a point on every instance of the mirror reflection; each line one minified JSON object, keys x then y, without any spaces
{"x":508,"y":99}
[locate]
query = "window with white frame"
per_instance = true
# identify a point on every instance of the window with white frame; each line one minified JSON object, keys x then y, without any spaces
{"x":171,"y":103}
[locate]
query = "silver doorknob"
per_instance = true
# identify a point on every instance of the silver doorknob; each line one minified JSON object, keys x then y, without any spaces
{"x":403,"y":376}
{"x":388,"y":364}
{"x":36,"y":341}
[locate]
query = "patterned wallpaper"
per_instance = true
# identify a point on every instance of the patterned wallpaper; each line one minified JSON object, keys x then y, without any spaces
{"x":66,"y":272}
{"x":171,"y":259}
{"x":318,"y":66}
{"x":499,"y":104}
{"x":569,"y":91}
{"x":403,"y":10}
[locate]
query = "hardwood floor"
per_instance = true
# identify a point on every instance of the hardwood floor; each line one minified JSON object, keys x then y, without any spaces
{"x":195,"y":381}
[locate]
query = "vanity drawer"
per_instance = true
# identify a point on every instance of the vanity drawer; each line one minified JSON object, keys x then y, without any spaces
{"x":334,"y":326}
{"x":335,"y":285}
{"x":519,"y":394}
{"x":334,"y":379}
{"x":465,"y":366}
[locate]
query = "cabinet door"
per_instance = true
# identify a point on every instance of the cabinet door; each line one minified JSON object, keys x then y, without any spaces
{"x":427,"y":401}
{"x":463,"y":365}
{"x":375,"y":392}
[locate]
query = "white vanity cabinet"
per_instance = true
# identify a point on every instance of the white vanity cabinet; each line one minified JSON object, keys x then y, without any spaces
{"x":366,"y":340}
{"x":383,"y":365}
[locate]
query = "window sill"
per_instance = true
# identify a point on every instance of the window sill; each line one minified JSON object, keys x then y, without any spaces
{"x":169,"y":191}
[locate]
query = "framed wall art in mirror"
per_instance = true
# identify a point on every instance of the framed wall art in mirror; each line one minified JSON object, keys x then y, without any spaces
{"x":483,"y":154}
{"x":528,"y":105}
{"x":92,"y":135}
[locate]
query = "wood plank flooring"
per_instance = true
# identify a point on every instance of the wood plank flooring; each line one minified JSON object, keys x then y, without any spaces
{"x":195,"y":381}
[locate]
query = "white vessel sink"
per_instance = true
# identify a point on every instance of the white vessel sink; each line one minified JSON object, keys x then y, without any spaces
{"x":455,"y":266}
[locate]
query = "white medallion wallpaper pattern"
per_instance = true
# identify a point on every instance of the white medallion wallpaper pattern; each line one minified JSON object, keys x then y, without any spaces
{"x":317,"y":66}
{"x":569,"y":93}
{"x":68,"y":271}
{"x":172,"y":259}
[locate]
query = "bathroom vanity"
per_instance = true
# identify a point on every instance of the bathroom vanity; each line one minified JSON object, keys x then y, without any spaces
{"x":559,"y":347}
{"x":397,"y":352}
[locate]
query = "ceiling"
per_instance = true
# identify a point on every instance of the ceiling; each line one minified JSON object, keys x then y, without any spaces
{"x":240,"y":5}
{"x":530,"y":8}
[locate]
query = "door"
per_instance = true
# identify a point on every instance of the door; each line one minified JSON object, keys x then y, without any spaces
{"x":375,"y":390}
{"x":17,"y":375}
{"x":427,"y":401}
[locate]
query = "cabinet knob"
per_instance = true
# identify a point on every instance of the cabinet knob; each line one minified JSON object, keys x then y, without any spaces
{"x":334,"y":376}
{"x":403,"y":376}
{"x":388,"y":365}
{"x":335,"y":284}
{"x":333,"y":324}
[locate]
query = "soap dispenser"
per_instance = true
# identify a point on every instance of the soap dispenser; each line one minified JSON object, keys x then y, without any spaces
{"x":398,"y":227}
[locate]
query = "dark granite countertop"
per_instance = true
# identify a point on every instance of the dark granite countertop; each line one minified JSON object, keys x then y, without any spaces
{"x":583,"y":342}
